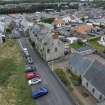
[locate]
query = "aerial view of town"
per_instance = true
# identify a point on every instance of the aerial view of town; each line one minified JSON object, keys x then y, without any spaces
{"x":52,"y":52}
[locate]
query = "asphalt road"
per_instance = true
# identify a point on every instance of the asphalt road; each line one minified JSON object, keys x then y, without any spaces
{"x":56,"y":95}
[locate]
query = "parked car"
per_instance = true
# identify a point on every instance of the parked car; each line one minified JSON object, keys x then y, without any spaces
{"x":32,"y":75}
{"x":30,"y":69}
{"x":29,"y":60}
{"x":26,"y":53}
{"x":66,"y":52}
{"x":34,"y":81}
{"x":41,"y":92}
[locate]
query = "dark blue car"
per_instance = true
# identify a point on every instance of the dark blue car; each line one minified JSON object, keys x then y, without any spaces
{"x":41,"y":92}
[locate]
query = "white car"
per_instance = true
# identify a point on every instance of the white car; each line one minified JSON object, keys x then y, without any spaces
{"x":34,"y":81}
{"x":25,"y":50}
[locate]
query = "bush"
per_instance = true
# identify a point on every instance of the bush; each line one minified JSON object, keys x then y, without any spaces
{"x":8,"y":30}
{"x":76,"y":80}
{"x":85,"y":94}
{"x":62,"y":76}
{"x":48,"y":20}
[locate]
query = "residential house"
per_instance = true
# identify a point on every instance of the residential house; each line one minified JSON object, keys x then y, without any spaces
{"x":102,"y":40}
{"x":101,"y":103}
{"x":2,"y":27}
{"x":2,"y":32}
{"x":71,"y":19}
{"x":22,"y":25}
{"x":8,"y":21}
{"x":99,"y":22}
{"x":47,"y":42}
{"x":94,"y":80}
{"x":75,"y":19}
{"x":67,"y":19}
{"x":86,"y":50}
{"x":72,"y":40}
{"x":58,"y":22}
{"x":26,"y":24}
{"x":78,"y":65}
{"x":65,"y":31}
{"x":92,"y":75}
{"x":83,"y":29}
{"x":2,"y":38}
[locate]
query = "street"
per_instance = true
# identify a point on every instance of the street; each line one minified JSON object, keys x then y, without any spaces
{"x":56,"y":95}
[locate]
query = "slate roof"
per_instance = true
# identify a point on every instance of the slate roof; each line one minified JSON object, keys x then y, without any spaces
{"x":36,"y":29}
{"x":96,"y":76}
{"x":101,"y":103}
{"x":79,"y":64}
{"x":86,"y":48}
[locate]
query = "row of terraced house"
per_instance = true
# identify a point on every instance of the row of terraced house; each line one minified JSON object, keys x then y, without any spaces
{"x":46,"y":41}
{"x":92,"y":73}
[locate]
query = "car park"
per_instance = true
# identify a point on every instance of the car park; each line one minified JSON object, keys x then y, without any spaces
{"x":30,"y":69}
{"x":34,"y":81}
{"x":29,"y":60}
{"x":32,"y":75}
{"x":40,"y":92}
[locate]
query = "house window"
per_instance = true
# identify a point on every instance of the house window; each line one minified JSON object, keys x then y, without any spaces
{"x":87,"y":84}
{"x":100,"y":97}
{"x":56,"y":49}
{"x":45,"y":43}
{"x":35,"y":35}
{"x":43,"y":49}
{"x":93,"y":90}
{"x":48,"y":50}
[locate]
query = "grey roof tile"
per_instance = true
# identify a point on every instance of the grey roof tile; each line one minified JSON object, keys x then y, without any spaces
{"x":96,"y":76}
{"x":86,"y":48}
{"x":79,"y":64}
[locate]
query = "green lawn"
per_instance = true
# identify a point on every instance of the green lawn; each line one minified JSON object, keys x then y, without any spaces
{"x":96,"y":45}
{"x":14,"y":89}
{"x":76,"y":45}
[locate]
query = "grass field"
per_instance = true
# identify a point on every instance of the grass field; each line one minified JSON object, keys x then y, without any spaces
{"x":76,"y":45}
{"x":14,"y":89}
{"x":96,"y":45}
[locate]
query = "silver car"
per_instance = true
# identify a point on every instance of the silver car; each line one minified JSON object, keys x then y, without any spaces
{"x":29,"y":60}
{"x":26,"y":53}
{"x":34,"y":81}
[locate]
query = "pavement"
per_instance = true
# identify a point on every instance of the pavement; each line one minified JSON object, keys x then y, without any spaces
{"x":57,"y":94}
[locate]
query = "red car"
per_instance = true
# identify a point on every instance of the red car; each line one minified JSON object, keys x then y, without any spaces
{"x":32,"y":75}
